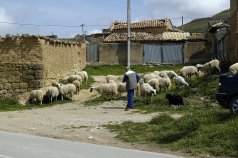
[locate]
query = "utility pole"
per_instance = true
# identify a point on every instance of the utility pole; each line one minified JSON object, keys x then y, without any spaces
{"x":83,"y":31}
{"x":182,"y":23}
{"x":128,"y":32}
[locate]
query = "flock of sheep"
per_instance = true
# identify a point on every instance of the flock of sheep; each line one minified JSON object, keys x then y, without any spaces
{"x":148,"y":86}
{"x":72,"y":85}
{"x":154,"y":82}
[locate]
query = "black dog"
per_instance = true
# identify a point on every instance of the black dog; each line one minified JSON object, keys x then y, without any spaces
{"x":174,"y":99}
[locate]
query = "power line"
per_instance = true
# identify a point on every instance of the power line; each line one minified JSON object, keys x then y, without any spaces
{"x":47,"y":25}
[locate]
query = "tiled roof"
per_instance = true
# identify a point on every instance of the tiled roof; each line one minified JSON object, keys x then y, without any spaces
{"x":135,"y":37}
{"x":212,"y":23}
{"x":157,"y":23}
{"x":175,"y":36}
{"x":195,"y":36}
{"x":148,"y":37}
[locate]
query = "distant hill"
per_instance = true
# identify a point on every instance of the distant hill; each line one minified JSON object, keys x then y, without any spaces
{"x":201,"y":24}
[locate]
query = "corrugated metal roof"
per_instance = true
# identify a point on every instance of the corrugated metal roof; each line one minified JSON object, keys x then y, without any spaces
{"x":156,"y":23}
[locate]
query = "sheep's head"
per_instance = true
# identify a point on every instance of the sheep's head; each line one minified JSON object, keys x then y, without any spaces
{"x":153,"y":92}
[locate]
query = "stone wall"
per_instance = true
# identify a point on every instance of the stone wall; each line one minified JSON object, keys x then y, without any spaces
{"x":33,"y":62}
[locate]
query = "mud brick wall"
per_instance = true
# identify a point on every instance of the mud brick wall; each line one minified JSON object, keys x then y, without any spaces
{"x":60,"y":59}
{"x":33,"y":63}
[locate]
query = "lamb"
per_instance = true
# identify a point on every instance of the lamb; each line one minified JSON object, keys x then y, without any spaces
{"x":147,"y":91}
{"x":180,"y":81}
{"x":77,"y":85}
{"x":174,"y":99}
{"x":154,"y":83}
{"x":209,"y":67}
{"x":188,"y":71}
{"x":67,"y":90}
{"x":37,"y":96}
{"x":52,"y":92}
{"x":107,"y":88}
{"x":233,"y":69}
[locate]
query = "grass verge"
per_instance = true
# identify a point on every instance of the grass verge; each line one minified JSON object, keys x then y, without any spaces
{"x":199,"y":133}
{"x":9,"y":104}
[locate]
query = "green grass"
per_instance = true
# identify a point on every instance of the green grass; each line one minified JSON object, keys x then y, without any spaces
{"x":88,"y":84}
{"x":198,"y":133}
{"x":202,"y":128}
{"x":9,"y":104}
{"x":120,"y":69}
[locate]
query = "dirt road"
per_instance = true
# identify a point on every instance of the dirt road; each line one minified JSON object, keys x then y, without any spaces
{"x":74,"y":121}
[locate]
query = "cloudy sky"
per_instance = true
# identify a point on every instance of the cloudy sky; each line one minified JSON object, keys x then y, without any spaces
{"x":64,"y":17}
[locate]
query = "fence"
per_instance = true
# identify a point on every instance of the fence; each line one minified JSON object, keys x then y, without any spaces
{"x":115,"y":53}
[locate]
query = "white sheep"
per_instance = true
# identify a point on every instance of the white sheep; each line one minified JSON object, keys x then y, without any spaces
{"x":210,"y":66}
{"x":85,"y":76}
{"x":37,"y":95}
{"x":67,"y":90}
{"x":171,"y":74}
{"x":107,"y":88}
{"x":150,"y":76}
{"x":121,"y":87}
{"x":147,"y":91}
{"x":79,"y":72}
{"x":165,"y":82}
{"x":111,"y":77}
{"x":77,"y":85}
{"x":233,"y":69}
{"x":188,"y":71}
{"x":72,"y":78}
{"x":52,"y":92}
{"x":180,"y":81}
{"x":155,"y":84}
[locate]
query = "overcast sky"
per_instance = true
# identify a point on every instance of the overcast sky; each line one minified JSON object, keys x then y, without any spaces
{"x":95,"y":14}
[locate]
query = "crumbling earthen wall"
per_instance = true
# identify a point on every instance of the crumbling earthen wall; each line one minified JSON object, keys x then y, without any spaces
{"x":59,"y":59}
{"x":32,"y":63}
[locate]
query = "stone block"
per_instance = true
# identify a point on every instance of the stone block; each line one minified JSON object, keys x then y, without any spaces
{"x":28,"y":77}
{"x":7,"y":86}
{"x":36,"y":84}
{"x":3,"y":80}
{"x":3,"y":91}
{"x":23,"y":85}
{"x":38,"y":67}
{"x":39,"y":74}
{"x":1,"y":87}
{"x":15,"y":85}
